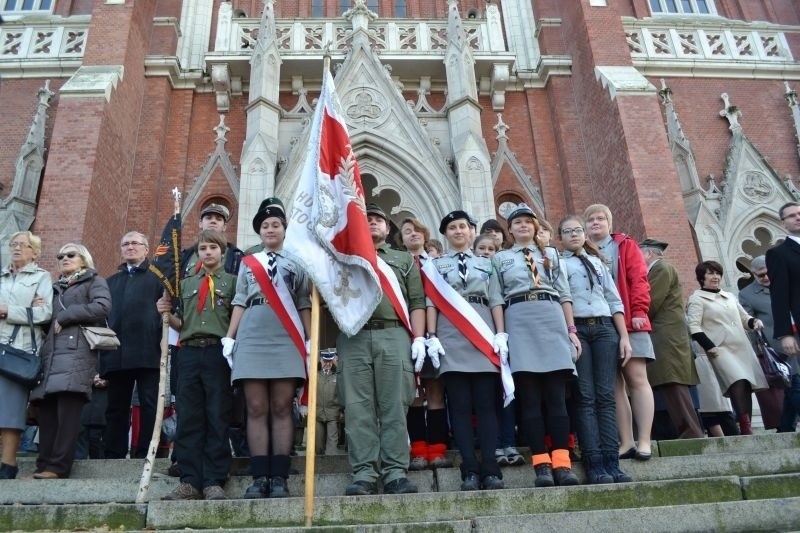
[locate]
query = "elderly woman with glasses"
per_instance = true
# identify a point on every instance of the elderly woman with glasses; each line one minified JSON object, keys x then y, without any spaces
{"x":81,"y":298}
{"x":23,"y":286}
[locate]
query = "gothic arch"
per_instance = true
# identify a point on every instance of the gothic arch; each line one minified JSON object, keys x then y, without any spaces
{"x":745,"y":230}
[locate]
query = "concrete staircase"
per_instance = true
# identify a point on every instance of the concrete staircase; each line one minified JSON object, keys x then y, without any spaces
{"x":721,"y":484}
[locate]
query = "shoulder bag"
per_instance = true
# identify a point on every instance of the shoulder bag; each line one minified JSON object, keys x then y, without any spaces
{"x":18,"y":365}
{"x":775,"y":368}
{"x":100,"y":338}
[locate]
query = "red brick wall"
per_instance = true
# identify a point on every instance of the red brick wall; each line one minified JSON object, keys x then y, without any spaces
{"x":89,"y":176}
{"x":766,"y":120}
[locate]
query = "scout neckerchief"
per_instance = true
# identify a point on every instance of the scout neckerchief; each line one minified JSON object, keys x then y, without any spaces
{"x":531,"y":262}
{"x":464,"y":317}
{"x":206,"y":288}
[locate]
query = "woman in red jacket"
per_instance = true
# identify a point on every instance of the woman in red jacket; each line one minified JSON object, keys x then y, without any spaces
{"x":629,"y":270}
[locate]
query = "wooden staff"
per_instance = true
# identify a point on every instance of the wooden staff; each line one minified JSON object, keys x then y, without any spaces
{"x":147,"y":472}
{"x":311,"y":419}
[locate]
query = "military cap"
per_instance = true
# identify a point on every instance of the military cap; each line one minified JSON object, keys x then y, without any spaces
{"x":522,"y":210}
{"x":458,"y":214}
{"x":271,"y":207}
{"x":653,"y":243}
{"x":218,"y":209}
{"x":375,"y":209}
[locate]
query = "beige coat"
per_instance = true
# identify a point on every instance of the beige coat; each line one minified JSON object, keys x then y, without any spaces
{"x":18,"y":292}
{"x":723,"y":320}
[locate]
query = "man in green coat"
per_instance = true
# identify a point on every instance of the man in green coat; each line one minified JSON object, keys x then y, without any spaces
{"x":376,"y":376}
{"x":673,"y":371}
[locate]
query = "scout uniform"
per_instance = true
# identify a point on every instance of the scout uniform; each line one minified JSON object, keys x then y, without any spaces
{"x":376,"y":376}
{"x":540,"y":350}
{"x":204,"y":397}
{"x":471,"y":379}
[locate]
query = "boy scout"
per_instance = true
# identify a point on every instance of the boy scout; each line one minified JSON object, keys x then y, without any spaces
{"x":204,"y":394}
{"x":376,"y":377}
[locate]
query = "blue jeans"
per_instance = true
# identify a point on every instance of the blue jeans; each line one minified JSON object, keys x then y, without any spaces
{"x":791,"y":406}
{"x":507,"y":423}
{"x":597,"y":372}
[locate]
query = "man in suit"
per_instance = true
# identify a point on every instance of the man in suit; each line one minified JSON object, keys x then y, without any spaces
{"x":783,"y":264}
{"x":673,"y":371}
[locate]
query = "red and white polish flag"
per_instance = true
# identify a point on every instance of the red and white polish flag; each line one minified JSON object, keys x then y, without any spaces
{"x":328,"y":232}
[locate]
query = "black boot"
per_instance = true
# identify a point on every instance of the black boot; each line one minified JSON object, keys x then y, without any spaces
{"x":544,"y":475}
{"x":595,"y":472}
{"x":279,"y":473}
{"x":611,"y":465}
{"x":8,"y":471}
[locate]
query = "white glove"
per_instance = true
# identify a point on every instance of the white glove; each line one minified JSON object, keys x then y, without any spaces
{"x":418,"y":353}
{"x":227,"y":349}
{"x":308,"y":347}
{"x":500,"y":346}
{"x":303,"y":411}
{"x":435,"y":350}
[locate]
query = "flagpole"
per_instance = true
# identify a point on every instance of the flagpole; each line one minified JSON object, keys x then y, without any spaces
{"x":311,"y":419}
{"x":313,"y":357}
{"x":147,"y":472}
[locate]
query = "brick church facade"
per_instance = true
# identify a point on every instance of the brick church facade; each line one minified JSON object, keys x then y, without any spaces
{"x":681,"y":115}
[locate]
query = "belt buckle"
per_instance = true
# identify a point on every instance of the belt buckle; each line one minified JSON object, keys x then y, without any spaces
{"x":591,"y":321}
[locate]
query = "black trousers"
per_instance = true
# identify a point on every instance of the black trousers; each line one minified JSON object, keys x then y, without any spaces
{"x":118,"y":412}
{"x":532,"y":391}
{"x":479,"y":392}
{"x":59,"y":425}
{"x":204,"y":402}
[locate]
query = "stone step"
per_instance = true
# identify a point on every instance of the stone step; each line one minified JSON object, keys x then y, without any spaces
{"x":574,"y":508}
{"x":122,"y":489}
{"x":744,"y":515}
{"x":765,"y":442}
{"x":385,"y":509}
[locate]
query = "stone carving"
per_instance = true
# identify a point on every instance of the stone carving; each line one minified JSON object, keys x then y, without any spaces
{"x":756,"y":187}
{"x":474,"y":164}
{"x":732,"y":113}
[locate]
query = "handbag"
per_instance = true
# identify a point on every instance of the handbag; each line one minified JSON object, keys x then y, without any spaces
{"x":18,"y":365}
{"x":774,"y":367}
{"x":100,"y":338}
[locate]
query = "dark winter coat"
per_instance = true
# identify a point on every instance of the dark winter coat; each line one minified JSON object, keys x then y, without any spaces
{"x":68,"y":363}
{"x":135,"y":319}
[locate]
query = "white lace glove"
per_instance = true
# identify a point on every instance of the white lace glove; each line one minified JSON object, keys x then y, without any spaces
{"x":303,"y":409}
{"x":227,"y":349}
{"x":418,"y":353}
{"x":308,"y":347}
{"x":500,"y":346}
{"x":435,"y":350}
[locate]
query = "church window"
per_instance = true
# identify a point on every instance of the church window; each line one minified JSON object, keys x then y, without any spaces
{"x":27,"y":5}
{"x":698,"y":7}
{"x":400,"y":8}
{"x":372,"y":5}
{"x":317,"y":7}
{"x":344,"y":5}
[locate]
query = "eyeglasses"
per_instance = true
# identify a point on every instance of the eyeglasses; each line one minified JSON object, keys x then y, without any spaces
{"x":571,"y":231}
{"x":131,"y":243}
{"x":14,"y":245}
{"x":71,"y":255}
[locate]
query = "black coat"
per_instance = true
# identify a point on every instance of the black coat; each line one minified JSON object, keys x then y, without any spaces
{"x":68,"y":363}
{"x":135,"y":319}
{"x":783,"y":265}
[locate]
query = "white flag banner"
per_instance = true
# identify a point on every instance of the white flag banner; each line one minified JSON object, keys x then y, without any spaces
{"x":328,"y":234}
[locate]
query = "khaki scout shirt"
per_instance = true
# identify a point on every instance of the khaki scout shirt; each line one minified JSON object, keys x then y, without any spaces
{"x":409,"y":279}
{"x":211,"y":322}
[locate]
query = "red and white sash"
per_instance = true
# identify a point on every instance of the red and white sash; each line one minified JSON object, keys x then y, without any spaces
{"x":391,"y":288}
{"x":464,"y":317}
{"x":280,"y":299}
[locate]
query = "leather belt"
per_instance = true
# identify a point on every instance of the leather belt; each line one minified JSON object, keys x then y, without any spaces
{"x":201,"y":342}
{"x":478,"y":300}
{"x":531,"y":297}
{"x":593,"y":321}
{"x":257,"y":301}
{"x":382,"y":324}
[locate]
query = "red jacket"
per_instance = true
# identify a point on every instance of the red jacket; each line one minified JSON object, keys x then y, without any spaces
{"x":632,"y":283}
